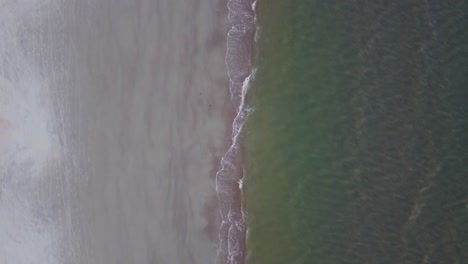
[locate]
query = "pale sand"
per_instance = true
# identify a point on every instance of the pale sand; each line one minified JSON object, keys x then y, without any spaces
{"x":153,"y":98}
{"x":143,"y":112}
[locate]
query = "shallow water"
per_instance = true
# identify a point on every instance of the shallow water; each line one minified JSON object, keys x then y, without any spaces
{"x":356,"y":150}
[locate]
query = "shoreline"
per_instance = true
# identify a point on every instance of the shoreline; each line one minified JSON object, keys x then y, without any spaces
{"x":188,"y":120}
{"x":229,"y":178}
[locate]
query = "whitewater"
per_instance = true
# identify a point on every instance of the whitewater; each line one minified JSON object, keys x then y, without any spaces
{"x":229,"y":179}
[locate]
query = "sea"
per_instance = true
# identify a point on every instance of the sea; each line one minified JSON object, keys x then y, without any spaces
{"x":356,"y":148}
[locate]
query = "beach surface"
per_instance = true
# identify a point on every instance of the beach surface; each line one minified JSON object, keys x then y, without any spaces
{"x":136,"y":118}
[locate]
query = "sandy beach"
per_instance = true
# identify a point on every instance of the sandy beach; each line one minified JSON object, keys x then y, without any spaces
{"x":154,"y":111}
{"x":139,"y":95}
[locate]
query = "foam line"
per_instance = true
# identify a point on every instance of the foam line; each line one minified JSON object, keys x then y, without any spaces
{"x":229,"y":179}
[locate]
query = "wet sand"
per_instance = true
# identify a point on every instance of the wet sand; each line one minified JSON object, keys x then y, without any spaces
{"x":154,"y":104}
{"x":140,"y":96}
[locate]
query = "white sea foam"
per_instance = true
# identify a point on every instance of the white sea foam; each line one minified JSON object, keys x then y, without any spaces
{"x":240,"y":72}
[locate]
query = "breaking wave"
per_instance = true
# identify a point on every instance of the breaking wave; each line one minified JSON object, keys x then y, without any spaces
{"x":229,"y":178}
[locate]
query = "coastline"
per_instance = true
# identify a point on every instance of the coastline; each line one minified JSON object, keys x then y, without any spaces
{"x":154,"y":134}
{"x":145,"y":112}
{"x":229,"y":178}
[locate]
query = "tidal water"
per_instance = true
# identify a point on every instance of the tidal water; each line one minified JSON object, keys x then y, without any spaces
{"x":356,"y":151}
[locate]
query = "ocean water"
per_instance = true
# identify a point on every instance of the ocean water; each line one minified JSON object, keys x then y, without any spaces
{"x":356,"y":149}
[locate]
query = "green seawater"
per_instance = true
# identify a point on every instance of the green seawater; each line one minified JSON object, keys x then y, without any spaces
{"x":357,"y":150}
